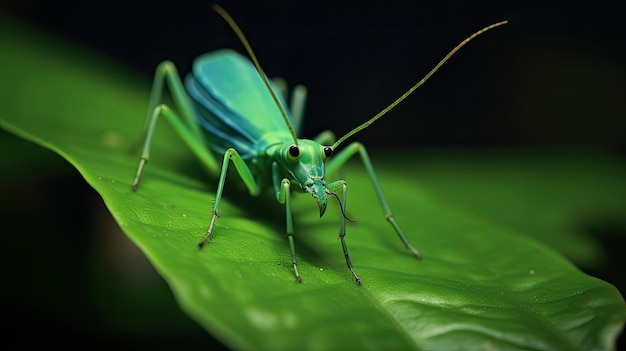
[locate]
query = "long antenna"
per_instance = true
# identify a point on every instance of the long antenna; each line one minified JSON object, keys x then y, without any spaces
{"x":231,"y":22}
{"x":417,"y":85}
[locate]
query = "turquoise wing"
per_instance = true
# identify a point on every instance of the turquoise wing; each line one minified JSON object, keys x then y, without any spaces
{"x":233,"y":105}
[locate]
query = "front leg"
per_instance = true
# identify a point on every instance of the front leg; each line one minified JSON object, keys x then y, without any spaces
{"x":332,"y":189}
{"x":283,"y":192}
{"x":357,"y":148}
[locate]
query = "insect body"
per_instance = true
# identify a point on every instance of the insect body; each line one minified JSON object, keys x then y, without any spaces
{"x":227,"y":106}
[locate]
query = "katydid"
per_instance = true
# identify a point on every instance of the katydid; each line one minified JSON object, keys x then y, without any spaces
{"x":227,"y":106}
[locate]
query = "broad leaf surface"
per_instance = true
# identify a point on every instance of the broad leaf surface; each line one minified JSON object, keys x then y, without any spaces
{"x":556,"y":196}
{"x":480,"y":286}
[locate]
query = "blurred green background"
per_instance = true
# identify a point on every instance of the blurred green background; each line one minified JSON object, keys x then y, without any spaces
{"x":553,"y":78}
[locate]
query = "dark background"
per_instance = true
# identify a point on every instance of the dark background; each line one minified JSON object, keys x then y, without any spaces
{"x":555,"y":76}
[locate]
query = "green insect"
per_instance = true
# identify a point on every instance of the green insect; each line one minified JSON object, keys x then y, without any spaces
{"x":227,"y":106}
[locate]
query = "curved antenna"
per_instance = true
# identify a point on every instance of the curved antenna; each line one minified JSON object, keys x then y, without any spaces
{"x":417,"y":85}
{"x":231,"y":22}
{"x":343,"y":212}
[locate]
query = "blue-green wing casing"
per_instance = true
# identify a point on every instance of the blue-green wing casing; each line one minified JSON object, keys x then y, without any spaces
{"x":234,"y":107}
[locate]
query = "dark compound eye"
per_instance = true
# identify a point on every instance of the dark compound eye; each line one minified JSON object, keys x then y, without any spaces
{"x":328,"y":151}
{"x":294,"y":151}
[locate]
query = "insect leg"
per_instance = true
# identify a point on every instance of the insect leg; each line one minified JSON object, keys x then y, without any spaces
{"x":192,"y":140}
{"x":333,"y":187}
{"x":297,"y":101}
{"x":296,"y":106}
{"x":245,"y":174}
{"x":326,"y":137}
{"x":166,"y":72}
{"x":186,"y":126}
{"x":283,"y":191}
{"x":338,"y":160}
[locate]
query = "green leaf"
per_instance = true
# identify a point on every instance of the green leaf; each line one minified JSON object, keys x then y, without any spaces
{"x":556,"y":196}
{"x":480,"y":285}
